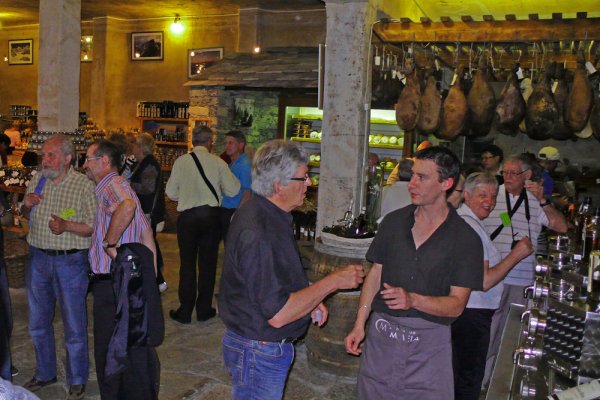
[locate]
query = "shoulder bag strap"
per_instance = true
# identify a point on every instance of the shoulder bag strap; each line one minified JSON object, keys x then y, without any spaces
{"x":512,"y":211}
{"x":210,"y":186}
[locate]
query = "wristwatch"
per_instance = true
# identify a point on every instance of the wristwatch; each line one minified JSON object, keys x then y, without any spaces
{"x":107,"y":245}
{"x":545,"y":203}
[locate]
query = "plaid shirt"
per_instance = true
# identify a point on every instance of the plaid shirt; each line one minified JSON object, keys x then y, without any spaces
{"x":112,"y":191}
{"x":72,"y":199}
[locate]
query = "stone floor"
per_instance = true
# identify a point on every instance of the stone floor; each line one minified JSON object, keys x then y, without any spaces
{"x":191,"y":362}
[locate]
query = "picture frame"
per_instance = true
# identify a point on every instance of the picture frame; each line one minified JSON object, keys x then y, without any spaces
{"x":147,"y":46}
{"x":86,"y":52}
{"x":20,"y":52}
{"x":198,"y":59}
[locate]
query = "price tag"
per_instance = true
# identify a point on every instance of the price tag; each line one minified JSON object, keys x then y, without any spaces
{"x":590,"y":67}
{"x":520,"y":73}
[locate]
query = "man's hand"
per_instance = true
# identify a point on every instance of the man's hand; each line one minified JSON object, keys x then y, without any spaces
{"x":354,"y":339}
{"x":32,"y":199}
{"x":536,"y":189}
{"x":522,"y":249}
{"x":349,"y":277}
{"x":112,"y":252}
{"x":57,"y":225}
{"x":319,"y":315}
{"x":396,"y":298}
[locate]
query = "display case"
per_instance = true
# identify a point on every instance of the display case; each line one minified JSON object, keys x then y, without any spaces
{"x":304,"y":124}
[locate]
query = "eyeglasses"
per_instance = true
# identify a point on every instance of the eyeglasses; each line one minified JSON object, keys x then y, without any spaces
{"x":513,"y":174}
{"x":92,"y":158}
{"x":306,"y":177}
{"x":484,"y":158}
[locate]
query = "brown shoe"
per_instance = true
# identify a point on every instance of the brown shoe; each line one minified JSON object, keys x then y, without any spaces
{"x":33,"y":385}
{"x":76,"y":392}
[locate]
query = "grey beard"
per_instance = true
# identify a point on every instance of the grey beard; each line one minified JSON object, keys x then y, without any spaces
{"x":50,"y":174}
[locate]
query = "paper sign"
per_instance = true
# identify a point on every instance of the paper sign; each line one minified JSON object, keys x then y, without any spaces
{"x":67,"y":213}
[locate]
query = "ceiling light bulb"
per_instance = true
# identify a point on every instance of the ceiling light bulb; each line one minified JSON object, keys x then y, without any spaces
{"x":5,"y":58}
{"x":88,"y":39}
{"x":257,"y":49}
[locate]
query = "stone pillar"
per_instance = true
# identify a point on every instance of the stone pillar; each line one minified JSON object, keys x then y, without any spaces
{"x":347,"y":97}
{"x":58,"y":66}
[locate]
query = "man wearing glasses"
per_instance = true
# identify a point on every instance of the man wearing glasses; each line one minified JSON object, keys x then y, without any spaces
{"x":265,"y":300}
{"x":521,"y":210}
{"x":491,"y":160}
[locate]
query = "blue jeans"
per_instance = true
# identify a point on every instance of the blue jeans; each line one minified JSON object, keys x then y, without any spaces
{"x":258,"y":369}
{"x":5,"y":323}
{"x":63,"y":278}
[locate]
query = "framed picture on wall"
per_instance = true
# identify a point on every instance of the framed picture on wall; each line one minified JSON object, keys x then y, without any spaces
{"x":198,"y":59}
{"x":86,"y":53}
{"x":20,"y":52}
{"x":147,"y":46}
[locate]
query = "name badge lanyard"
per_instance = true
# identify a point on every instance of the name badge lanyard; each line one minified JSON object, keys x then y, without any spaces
{"x":522,"y":197}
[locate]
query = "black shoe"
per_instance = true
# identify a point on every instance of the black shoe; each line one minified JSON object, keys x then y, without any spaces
{"x":76,"y":392}
{"x":174,"y":314}
{"x":14,"y":371}
{"x":34,"y":384}
{"x":211,"y":314}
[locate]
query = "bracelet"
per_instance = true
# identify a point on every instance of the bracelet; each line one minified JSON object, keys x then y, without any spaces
{"x":363,"y":306}
{"x":545,"y":203}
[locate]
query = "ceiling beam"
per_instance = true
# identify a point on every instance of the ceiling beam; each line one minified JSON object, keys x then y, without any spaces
{"x":490,"y":31}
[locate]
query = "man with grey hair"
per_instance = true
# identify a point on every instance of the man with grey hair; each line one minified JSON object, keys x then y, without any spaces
{"x":265,"y":300}
{"x":521,"y":211}
{"x":61,"y":206}
{"x":197,"y":182}
{"x":471,"y":331}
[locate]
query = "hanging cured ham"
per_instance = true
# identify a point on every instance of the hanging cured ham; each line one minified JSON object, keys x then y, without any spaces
{"x":580,"y":101}
{"x":408,"y":106}
{"x":561,"y":93}
{"x":482,"y":102}
{"x":511,"y":106}
{"x":595,"y":118}
{"x":526,"y":86}
{"x":454,"y":112}
{"x":431,"y":108}
{"x":542,"y":113}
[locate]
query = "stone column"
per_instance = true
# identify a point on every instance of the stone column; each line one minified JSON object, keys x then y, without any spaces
{"x":347,"y":97}
{"x":58,"y":66}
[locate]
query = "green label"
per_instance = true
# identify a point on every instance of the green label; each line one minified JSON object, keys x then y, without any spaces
{"x":67,"y":213}
{"x":505,"y":218}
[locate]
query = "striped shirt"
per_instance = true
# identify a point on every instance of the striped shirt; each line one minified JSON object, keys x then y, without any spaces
{"x":72,"y":199}
{"x":523,"y":273}
{"x":112,"y":191}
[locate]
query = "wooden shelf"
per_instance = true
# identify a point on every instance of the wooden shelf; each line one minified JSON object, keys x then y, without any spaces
{"x":174,"y":144}
{"x":316,"y":164}
{"x":162,"y":119}
{"x":13,"y":189}
{"x":309,"y":140}
{"x":15,"y":229}
{"x":166,"y":169}
{"x":378,"y":146}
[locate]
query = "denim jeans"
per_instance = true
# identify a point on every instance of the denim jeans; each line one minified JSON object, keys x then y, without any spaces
{"x":258,"y":369}
{"x":63,"y":278}
{"x":5,"y":324}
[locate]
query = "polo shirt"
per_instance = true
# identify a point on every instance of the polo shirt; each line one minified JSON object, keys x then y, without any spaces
{"x":523,"y":273}
{"x":242,"y":170}
{"x":451,"y":256}
{"x":491,"y":298}
{"x":261,"y":268}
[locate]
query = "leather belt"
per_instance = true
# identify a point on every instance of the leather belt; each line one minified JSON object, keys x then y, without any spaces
{"x":54,"y":253}
{"x":99,"y":277}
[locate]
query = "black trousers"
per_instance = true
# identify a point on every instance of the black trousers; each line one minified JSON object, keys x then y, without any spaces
{"x":226,"y":214}
{"x":5,"y":324}
{"x":141,"y":378}
{"x":470,"y":341}
{"x":198,"y":236}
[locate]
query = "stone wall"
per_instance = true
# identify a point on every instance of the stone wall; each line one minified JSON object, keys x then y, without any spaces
{"x":218,"y":105}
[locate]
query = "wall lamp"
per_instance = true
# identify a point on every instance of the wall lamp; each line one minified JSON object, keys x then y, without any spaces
{"x":177,"y":27}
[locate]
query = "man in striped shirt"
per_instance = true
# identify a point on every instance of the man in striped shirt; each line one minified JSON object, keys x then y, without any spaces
{"x":521,"y":210}
{"x":119,"y":220}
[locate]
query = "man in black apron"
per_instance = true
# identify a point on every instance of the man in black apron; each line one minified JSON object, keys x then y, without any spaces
{"x":426,"y":260}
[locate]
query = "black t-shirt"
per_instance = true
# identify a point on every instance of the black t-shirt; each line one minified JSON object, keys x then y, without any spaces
{"x":262,"y":268}
{"x":451,"y":256}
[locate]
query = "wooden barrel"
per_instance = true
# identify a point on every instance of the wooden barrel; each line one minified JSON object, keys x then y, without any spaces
{"x":16,"y":252}
{"x":325,"y":345}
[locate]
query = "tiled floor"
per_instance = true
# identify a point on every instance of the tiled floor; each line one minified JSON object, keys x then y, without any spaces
{"x":191,"y":362}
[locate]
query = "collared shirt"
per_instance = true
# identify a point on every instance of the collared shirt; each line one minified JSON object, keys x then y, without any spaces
{"x":521,"y":274}
{"x":112,"y":191}
{"x":262,"y":267}
{"x":242,"y":170}
{"x":188,"y":189}
{"x":72,"y":199}
{"x":491,"y":298}
{"x":451,"y":256}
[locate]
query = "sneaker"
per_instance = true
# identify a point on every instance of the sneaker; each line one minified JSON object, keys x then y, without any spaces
{"x":162,"y":287}
{"x":76,"y":392}
{"x":14,"y":371}
{"x":34,"y":384}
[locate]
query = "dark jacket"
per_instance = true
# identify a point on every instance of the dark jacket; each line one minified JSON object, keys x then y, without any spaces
{"x":152,"y":203}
